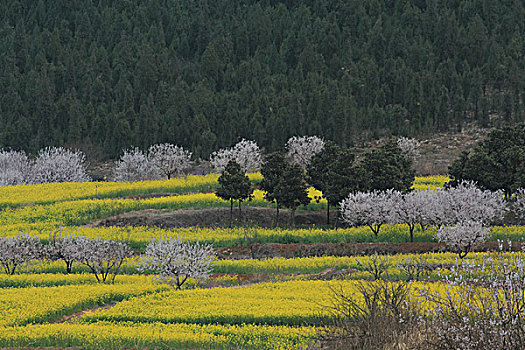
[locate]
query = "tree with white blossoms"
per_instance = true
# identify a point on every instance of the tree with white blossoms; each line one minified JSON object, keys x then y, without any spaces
{"x":409,"y":147}
{"x":466,"y":202}
{"x":104,"y":257}
{"x":134,"y":165}
{"x":18,"y":250}
{"x":246,"y":153}
{"x":168,"y":159}
{"x":300,"y":150}
{"x":416,"y":208}
{"x":63,"y":247}
{"x":174,"y":260}
{"x":464,"y":236}
{"x":373,"y":209}
{"x":58,"y":164}
{"x":15,"y":168}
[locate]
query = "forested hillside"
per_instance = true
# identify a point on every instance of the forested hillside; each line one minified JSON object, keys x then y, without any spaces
{"x":109,"y":74}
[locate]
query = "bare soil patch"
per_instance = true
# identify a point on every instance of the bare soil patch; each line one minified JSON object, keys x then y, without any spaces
{"x":213,"y":217}
{"x":78,"y":314}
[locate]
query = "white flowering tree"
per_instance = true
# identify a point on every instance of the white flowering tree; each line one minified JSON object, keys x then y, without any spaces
{"x":18,"y":250}
{"x":58,"y":164}
{"x":464,"y":236}
{"x":418,"y":207}
{"x":466,"y":202}
{"x":169,"y":160}
{"x":104,"y":257}
{"x":372,"y":209}
{"x":174,"y":260}
{"x":63,"y":247}
{"x":15,"y":168}
{"x":246,"y":153}
{"x":133,"y":165}
{"x":409,"y":147}
{"x":300,"y":150}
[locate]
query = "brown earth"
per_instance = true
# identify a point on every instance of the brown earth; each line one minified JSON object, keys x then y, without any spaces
{"x":78,"y":314}
{"x":265,"y":217}
{"x":438,"y":150}
{"x":270,"y":250}
{"x":213,"y":217}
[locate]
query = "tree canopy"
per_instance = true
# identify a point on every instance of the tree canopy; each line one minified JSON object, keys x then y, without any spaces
{"x":108,"y":75}
{"x":497,"y":163}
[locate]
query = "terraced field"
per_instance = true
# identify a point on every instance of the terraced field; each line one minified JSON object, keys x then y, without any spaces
{"x":269,"y":289}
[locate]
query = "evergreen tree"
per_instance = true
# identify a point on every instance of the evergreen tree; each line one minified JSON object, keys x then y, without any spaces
{"x":333,"y":172}
{"x":497,"y":163}
{"x":386,"y":168}
{"x":291,"y":190}
{"x":234,"y":185}
{"x":272,"y":171}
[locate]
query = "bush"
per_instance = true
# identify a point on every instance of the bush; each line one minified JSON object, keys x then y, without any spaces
{"x":379,"y":313}
{"x":482,"y":307}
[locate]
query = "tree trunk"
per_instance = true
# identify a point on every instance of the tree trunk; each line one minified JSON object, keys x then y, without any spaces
{"x":231,"y":212}
{"x":293,"y":217}
{"x":328,"y":212}
{"x":240,"y":211}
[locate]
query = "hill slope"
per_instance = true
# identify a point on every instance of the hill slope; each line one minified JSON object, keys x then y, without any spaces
{"x":104,"y":75}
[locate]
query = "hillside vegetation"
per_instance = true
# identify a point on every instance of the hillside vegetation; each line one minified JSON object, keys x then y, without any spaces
{"x":104,"y":75}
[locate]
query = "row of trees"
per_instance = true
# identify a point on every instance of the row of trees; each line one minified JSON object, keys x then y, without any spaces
{"x":461,"y":214}
{"x":53,"y":164}
{"x":172,"y":260}
{"x":333,"y":170}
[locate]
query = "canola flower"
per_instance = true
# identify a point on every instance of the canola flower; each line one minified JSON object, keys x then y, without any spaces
{"x":394,"y":268}
{"x":430,"y":182}
{"x":81,"y":212}
{"x":21,"y":306}
{"x":139,"y":236}
{"x":106,"y":335}
{"x":275,"y":303}
{"x":13,"y":196}
{"x":38,"y":279}
{"x":20,"y":195}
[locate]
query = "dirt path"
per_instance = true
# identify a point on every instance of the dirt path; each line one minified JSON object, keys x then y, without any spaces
{"x":76,"y":315}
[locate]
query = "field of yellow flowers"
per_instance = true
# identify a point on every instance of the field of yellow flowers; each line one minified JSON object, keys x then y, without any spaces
{"x":274,"y":303}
